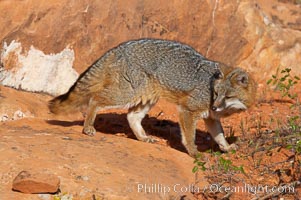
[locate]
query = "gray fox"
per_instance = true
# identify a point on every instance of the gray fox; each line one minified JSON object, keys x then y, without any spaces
{"x":135,"y":74}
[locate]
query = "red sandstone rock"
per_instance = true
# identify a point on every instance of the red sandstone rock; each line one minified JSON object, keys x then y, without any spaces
{"x":258,"y":35}
{"x":34,"y":183}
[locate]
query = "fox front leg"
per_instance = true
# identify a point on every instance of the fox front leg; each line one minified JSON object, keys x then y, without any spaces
{"x":215,"y":129}
{"x":187,"y":122}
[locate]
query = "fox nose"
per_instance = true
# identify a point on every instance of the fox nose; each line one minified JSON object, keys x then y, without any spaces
{"x":214,"y":108}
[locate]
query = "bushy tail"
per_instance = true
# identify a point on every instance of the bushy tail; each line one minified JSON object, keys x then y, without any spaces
{"x":73,"y":100}
{"x":88,"y":83}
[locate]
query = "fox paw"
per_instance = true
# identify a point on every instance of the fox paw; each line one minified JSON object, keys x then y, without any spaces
{"x":233,"y":147}
{"x":192,"y":150}
{"x":89,"y":130}
{"x":149,"y":140}
{"x":194,"y":153}
{"x":229,"y":148}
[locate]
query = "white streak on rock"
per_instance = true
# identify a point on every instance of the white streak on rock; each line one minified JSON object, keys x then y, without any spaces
{"x":38,"y":72}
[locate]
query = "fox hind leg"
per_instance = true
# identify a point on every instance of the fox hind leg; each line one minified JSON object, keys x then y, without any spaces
{"x":90,"y":118}
{"x":134,"y":117}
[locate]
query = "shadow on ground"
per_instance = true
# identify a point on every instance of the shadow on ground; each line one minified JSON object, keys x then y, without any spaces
{"x":113,"y":123}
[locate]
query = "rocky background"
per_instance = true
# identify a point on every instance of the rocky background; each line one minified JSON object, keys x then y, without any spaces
{"x":45,"y":45}
{"x":42,"y":42}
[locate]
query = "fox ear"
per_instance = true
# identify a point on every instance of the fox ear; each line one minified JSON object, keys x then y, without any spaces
{"x":243,"y":79}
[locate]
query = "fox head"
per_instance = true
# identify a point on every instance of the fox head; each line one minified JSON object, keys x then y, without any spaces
{"x":234,"y":93}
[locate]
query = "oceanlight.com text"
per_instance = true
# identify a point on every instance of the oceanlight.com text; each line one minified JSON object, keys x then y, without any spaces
{"x":180,"y":188}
